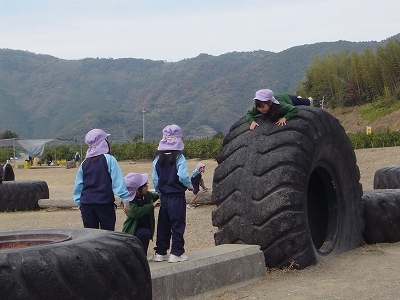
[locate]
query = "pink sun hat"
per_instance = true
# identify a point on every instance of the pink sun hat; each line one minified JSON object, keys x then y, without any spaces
{"x":172,"y":139}
{"x":200,"y":165}
{"x":133,"y":181}
{"x":96,"y":139}
{"x":265,"y":95}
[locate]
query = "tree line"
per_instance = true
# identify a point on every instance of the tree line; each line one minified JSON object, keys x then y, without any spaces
{"x":351,"y":79}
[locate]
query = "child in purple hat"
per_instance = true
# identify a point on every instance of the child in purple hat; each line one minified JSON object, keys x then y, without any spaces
{"x":171,"y":179}
{"x":197,"y":182}
{"x":99,"y":177}
{"x":276,"y":107}
{"x":140,"y":220}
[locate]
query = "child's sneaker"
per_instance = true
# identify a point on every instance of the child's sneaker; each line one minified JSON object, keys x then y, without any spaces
{"x":311,"y":101}
{"x":174,"y":258}
{"x":191,"y":206}
{"x":159,"y":257}
{"x":205,"y":189}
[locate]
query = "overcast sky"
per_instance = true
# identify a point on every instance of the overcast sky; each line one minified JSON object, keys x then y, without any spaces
{"x":173,"y":30}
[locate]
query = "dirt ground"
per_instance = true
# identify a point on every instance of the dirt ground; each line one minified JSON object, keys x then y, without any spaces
{"x":369,"y":272}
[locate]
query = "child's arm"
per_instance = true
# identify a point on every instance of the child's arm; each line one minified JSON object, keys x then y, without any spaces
{"x":251,"y":113}
{"x":290,"y":112}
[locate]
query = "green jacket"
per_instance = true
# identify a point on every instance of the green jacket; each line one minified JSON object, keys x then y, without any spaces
{"x":286,"y":108}
{"x":136,"y":212}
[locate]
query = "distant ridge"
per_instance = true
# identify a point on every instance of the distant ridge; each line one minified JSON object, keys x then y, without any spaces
{"x":42,"y":96}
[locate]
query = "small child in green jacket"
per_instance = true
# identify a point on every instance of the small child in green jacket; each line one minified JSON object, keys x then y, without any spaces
{"x":140,"y":218}
{"x":276,"y":107}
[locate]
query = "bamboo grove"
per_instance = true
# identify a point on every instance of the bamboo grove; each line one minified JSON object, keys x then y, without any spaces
{"x":351,"y":79}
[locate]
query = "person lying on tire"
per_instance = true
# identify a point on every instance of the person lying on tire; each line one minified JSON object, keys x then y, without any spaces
{"x":99,"y":177}
{"x":140,"y":220}
{"x":277,"y":108}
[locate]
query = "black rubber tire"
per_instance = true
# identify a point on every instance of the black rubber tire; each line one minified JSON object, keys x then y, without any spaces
{"x":387,"y":178}
{"x":293,"y":190}
{"x":94,"y":264}
{"x":22,"y":195}
{"x":8,"y":173}
{"x":381,"y":216}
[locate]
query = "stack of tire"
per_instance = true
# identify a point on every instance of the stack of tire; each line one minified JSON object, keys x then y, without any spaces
{"x":382,"y":207}
{"x":20,"y":195}
{"x":294,"y":190}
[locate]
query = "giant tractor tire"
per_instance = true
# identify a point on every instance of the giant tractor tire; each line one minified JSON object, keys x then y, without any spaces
{"x":72,"y":264}
{"x":293,"y":190}
{"x":22,"y":195}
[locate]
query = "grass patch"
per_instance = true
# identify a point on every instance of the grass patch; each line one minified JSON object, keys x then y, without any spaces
{"x":378,"y":109}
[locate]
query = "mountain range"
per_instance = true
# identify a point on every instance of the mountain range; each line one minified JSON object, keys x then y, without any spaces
{"x":42,"y":96}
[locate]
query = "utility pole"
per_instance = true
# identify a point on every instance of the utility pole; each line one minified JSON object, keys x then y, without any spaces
{"x":143,"y":112}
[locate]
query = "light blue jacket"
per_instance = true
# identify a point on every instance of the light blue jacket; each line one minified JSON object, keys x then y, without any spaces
{"x":117,"y":179}
{"x":183,"y":172}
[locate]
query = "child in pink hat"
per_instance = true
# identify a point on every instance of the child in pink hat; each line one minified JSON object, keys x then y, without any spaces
{"x":98,"y":179}
{"x":171,"y":179}
{"x":197,"y":182}
{"x":140,"y":218}
{"x":278,"y":108}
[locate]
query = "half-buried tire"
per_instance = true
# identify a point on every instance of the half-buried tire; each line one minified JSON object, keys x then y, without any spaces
{"x":293,"y":190}
{"x":83,"y":264}
{"x":381,"y":216}
{"x":22,"y":195}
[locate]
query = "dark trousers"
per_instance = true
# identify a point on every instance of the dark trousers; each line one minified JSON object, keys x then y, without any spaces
{"x":98,"y":216}
{"x":299,"y":101}
{"x":144,"y":236}
{"x":171,"y":223}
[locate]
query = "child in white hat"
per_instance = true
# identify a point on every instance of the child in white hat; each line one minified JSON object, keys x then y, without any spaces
{"x":140,"y":218}
{"x":278,"y":108}
{"x":171,"y":179}
{"x":197,"y":182}
{"x":98,"y":179}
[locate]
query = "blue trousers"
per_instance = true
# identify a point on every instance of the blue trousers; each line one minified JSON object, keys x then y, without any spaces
{"x":98,"y":216}
{"x":299,"y":101}
{"x":171,"y":223}
{"x":144,"y":236}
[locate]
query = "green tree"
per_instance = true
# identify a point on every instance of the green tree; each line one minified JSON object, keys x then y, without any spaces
{"x":8,"y":134}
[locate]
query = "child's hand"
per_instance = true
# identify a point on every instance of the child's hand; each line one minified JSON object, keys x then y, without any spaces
{"x":281,"y":122}
{"x":157,"y":203}
{"x":126,"y":207}
{"x":253,"y":125}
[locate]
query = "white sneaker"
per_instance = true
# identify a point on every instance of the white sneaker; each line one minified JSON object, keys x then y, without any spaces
{"x":159,"y":257}
{"x":311,"y":101}
{"x":174,"y":258}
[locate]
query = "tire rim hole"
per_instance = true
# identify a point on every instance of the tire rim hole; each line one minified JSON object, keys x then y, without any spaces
{"x":322,"y":210}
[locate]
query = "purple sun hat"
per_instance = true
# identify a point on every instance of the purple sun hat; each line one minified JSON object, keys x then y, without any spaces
{"x":200,"y":165}
{"x":133,"y":181}
{"x":265,"y":95}
{"x":96,"y":139}
{"x":172,"y":139}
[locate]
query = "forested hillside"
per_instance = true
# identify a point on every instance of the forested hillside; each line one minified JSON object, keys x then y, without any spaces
{"x":42,"y":96}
